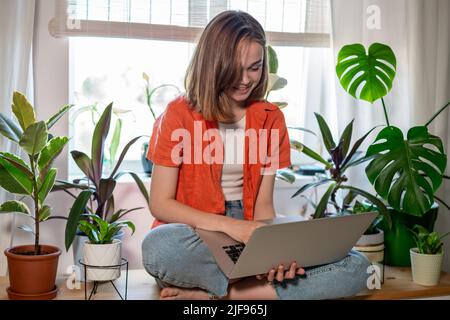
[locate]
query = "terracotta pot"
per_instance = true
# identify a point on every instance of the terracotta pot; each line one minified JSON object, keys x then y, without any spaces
{"x":32,"y":277}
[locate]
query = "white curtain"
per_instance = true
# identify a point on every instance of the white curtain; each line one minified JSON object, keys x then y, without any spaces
{"x":16,"y":37}
{"x":419,"y":33}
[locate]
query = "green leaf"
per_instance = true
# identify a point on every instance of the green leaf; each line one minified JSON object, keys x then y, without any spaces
{"x":110,"y":206}
{"x":279,"y":104}
{"x":346,"y":138}
{"x":377,"y":202}
{"x":10,"y":129}
{"x":125,"y":223}
{"x":326,"y":133}
{"x":285,"y":176}
{"x":116,"y":215}
{"x":83,"y":162}
{"x":374,"y":71}
{"x":47,"y":185}
{"x":52,"y":149}
{"x":309,"y":186}
{"x":98,"y":142}
{"x":74,"y":216}
{"x":34,"y":138}
{"x":407,"y":173}
{"x":139,"y":183}
{"x":105,"y":190}
{"x":303,"y":129}
{"x":13,"y":179}
{"x":275,"y":82}
{"x":64,"y":185}
{"x":273,"y":60}
{"x":14,"y":206}
{"x":122,"y":212}
{"x":309,"y":152}
{"x":357,"y":162}
{"x":89,"y":230}
{"x":23,"y":110}
{"x":50,"y":122}
{"x":115,"y":140}
{"x":18,"y":163}
{"x":356,"y":147}
{"x":322,"y":205}
{"x":123,"y":153}
{"x":351,"y":195}
{"x":44,"y":213}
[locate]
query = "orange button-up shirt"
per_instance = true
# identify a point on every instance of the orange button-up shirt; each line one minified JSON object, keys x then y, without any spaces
{"x":199,"y":184}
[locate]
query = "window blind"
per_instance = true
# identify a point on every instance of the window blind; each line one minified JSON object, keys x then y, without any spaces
{"x":286,"y":22}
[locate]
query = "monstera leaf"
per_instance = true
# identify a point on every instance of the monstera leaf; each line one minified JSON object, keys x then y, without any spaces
{"x":407,"y":173}
{"x":375,"y":71}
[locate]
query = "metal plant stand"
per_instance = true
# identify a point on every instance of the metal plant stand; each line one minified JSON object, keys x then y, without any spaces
{"x":97,"y":283}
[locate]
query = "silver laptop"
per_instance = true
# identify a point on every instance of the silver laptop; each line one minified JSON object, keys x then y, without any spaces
{"x":284,"y":240}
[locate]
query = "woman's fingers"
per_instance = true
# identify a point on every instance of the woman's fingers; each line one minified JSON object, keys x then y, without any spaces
{"x":271,"y":275}
{"x":260,"y":276}
{"x":280,"y":273}
{"x":300,"y":271}
{"x":290,"y":274}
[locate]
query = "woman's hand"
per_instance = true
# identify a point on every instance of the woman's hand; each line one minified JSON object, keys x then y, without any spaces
{"x":279,"y":274}
{"x":241,"y":230}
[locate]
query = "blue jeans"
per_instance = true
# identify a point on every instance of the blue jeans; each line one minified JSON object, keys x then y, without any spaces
{"x":175,"y":255}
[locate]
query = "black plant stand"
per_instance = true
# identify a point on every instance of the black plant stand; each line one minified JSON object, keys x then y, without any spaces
{"x":124,"y":262}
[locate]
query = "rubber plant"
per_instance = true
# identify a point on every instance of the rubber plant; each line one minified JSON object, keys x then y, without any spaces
{"x":405,"y":170}
{"x":31,"y":268}
{"x":36,"y":178}
{"x":96,"y":196}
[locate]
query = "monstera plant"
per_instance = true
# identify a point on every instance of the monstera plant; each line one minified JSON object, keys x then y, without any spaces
{"x":406,"y":170}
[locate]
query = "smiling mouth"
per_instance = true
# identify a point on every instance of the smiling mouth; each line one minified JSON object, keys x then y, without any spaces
{"x":242,"y":88}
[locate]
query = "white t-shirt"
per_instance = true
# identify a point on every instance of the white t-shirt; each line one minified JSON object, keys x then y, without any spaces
{"x":233,"y":137}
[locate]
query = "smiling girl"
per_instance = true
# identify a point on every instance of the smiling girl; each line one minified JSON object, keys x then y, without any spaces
{"x":225,"y":85}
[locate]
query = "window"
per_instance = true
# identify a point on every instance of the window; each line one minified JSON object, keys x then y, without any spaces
{"x":112,"y":42}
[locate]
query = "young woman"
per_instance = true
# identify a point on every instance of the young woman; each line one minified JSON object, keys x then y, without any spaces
{"x":208,"y":173}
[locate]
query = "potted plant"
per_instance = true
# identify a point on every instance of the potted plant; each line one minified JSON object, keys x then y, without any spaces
{"x":371,"y":243}
{"x":146,"y":163}
{"x":32,"y":268}
{"x":343,"y":156}
{"x":96,"y":189}
{"x":102,"y":247}
{"x":426,"y":258}
{"x":405,"y":171}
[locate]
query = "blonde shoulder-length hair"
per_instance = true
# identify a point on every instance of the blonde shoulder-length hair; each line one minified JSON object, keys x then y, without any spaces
{"x":216,"y":65}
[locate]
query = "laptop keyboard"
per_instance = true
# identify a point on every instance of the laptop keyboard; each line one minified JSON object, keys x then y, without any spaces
{"x":234,"y":251}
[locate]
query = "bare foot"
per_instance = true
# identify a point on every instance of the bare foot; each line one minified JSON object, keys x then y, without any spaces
{"x":175,"y":293}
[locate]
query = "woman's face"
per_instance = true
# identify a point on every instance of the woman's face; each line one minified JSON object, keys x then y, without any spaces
{"x":252,"y":56}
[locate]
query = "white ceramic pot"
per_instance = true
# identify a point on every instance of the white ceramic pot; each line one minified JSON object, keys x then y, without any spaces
{"x":426,"y":268}
{"x":78,"y":250}
{"x":102,"y":255}
{"x":372,"y":246}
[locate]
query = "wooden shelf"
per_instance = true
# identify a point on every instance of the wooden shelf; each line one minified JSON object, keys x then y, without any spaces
{"x":398,"y":284}
{"x":141,"y":286}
